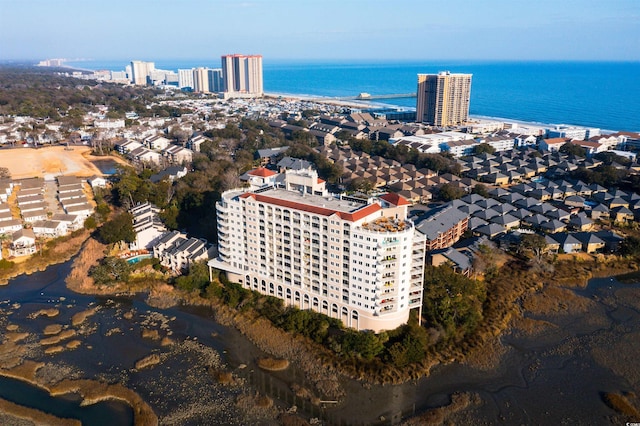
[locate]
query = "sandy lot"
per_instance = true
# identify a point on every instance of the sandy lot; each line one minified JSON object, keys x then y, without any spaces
{"x":50,"y":162}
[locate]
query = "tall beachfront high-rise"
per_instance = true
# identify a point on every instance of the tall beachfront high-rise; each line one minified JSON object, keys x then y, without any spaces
{"x":357,"y":260}
{"x":216,"y":82}
{"x":140,"y":72}
{"x":242,"y":75}
{"x":443,"y":98}
{"x":201,"y":80}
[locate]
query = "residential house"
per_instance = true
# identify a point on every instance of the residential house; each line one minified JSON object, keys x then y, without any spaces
{"x":23,"y":243}
{"x":49,"y":228}
{"x":83,"y":210}
{"x":581,"y":222}
{"x":125,"y":146}
{"x":268,"y":155}
{"x":34,"y":215}
{"x":491,"y":230}
{"x":552,"y":144}
{"x":590,"y":147}
{"x":147,"y":226}
{"x":176,"y":154}
{"x":10,"y":226}
{"x":72,"y":222}
{"x":69,"y":184}
{"x":324,"y":138}
{"x":621,"y":214}
{"x":290,"y":163}
{"x":599,"y":211}
{"x":461,"y":263}
{"x":6,"y":188}
{"x":171,"y":173}
{"x":257,"y":178}
{"x":194,"y":143}
{"x":144,"y":156}
{"x":522,"y":141}
{"x":97,"y":182}
{"x":156,"y":142}
{"x":568,"y":243}
{"x":591,"y":243}
{"x":178,"y":252}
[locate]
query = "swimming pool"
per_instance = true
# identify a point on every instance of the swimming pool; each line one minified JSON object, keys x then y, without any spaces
{"x":138,"y":258}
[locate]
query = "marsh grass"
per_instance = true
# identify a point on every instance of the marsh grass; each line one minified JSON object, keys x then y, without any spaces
{"x":54,"y":340}
{"x":272,"y":364}
{"x":34,"y":416}
{"x":93,"y":392}
{"x":148,"y":361}
{"x":621,"y":402}
{"x":80,"y":317}
{"x":52,"y":329}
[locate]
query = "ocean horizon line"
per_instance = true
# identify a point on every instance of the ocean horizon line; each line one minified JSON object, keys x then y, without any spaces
{"x":550,"y":91}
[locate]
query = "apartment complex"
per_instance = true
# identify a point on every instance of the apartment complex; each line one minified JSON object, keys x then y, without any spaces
{"x":242,"y":75}
{"x":358,"y":260}
{"x":443,"y":98}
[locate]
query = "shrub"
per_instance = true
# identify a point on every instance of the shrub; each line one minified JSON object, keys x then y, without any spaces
{"x":6,"y":264}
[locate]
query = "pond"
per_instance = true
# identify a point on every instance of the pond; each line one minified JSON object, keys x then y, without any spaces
{"x":106,"y":166}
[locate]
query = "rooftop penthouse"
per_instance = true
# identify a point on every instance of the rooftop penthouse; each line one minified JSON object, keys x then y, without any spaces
{"x":384,"y":224}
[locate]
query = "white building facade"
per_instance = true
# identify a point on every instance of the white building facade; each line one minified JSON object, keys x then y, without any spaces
{"x":360,"y":261}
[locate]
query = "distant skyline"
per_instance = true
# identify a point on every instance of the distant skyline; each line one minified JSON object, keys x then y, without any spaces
{"x":156,"y":30}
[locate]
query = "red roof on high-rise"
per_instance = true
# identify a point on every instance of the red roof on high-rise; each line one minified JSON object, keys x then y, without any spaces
{"x":353,"y":216}
{"x":395,"y":199}
{"x":262,"y":172}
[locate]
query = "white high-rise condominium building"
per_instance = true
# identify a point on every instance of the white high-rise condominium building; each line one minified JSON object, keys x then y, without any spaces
{"x":242,"y":75}
{"x":185,"y":79}
{"x":361,"y":261}
{"x":443,"y":98}
{"x":140,"y":71}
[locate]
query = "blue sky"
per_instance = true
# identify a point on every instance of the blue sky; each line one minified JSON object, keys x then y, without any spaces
{"x":327,"y":29}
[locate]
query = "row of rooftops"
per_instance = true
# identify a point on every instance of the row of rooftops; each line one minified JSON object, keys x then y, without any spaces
{"x":34,"y":209}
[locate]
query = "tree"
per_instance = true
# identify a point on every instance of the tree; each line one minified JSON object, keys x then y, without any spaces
{"x":110,"y":270}
{"x":484,"y":148}
{"x":534,"y":243}
{"x":573,"y":149}
{"x":449,"y":192}
{"x":480,"y":189}
{"x":360,"y":184}
{"x":120,"y":228}
{"x":452,"y":302}
{"x":630,"y":246}
{"x":364,"y":344}
{"x":196,"y":279}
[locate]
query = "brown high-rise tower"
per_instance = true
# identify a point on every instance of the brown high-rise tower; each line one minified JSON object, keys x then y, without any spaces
{"x":443,"y":98}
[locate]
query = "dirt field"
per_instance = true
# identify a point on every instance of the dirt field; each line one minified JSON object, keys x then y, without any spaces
{"x":50,"y":162}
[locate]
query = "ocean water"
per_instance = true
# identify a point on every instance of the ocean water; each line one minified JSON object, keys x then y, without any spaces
{"x":597,"y":94}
